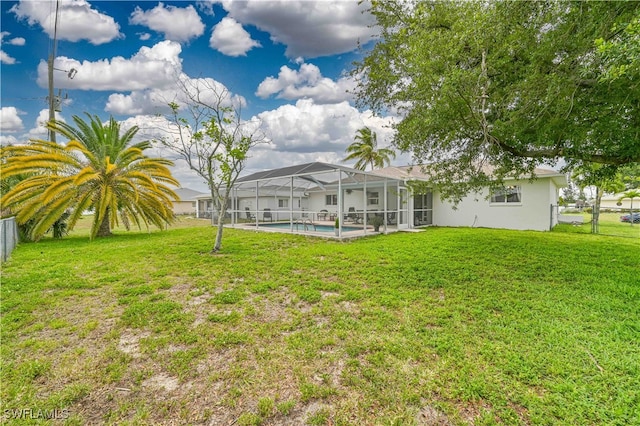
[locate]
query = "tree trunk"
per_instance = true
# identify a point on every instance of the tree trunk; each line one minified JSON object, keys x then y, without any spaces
{"x":218,"y":244}
{"x":595,"y":213}
{"x":221,"y":207}
{"x":105,"y":226}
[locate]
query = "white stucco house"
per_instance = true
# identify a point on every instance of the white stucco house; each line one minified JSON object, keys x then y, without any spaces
{"x":522,"y":204}
{"x":318,"y":193}
{"x":186,"y":202}
{"x":615,"y":203}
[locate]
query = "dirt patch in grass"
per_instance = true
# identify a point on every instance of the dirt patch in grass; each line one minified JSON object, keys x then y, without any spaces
{"x":431,"y":416}
{"x":129,"y":342}
{"x":161,"y":381}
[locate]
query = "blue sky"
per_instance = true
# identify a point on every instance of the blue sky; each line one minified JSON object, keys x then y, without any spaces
{"x":285,"y":61}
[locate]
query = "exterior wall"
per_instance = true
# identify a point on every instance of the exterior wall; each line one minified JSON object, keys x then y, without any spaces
{"x":184,"y":207}
{"x":272,"y":203}
{"x":354,"y":198}
{"x":476,"y":210}
{"x":554,"y":196}
{"x":612,"y":203}
{"x":278,"y":213}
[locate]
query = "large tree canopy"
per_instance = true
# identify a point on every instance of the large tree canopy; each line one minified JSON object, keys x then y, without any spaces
{"x":509,"y":84}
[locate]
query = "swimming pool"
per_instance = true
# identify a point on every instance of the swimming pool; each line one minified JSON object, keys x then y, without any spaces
{"x":300,"y":227}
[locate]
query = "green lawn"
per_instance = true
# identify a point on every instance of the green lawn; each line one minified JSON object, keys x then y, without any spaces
{"x":609,"y":225}
{"x":446,"y":326}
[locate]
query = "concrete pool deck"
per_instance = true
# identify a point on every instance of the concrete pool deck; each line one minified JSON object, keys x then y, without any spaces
{"x":352,"y":231}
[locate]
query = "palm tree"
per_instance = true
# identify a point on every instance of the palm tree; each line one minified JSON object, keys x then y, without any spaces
{"x":365,"y":150}
{"x":99,"y":169}
{"x":631,"y":194}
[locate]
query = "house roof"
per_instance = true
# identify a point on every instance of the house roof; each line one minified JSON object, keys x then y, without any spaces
{"x":187,"y":194}
{"x":299,"y":170}
{"x":417,"y":172}
{"x":318,"y":175}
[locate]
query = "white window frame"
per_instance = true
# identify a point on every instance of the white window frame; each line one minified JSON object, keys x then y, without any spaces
{"x":507,"y":195}
{"x":373,"y":198}
{"x":283,"y":203}
{"x":331,"y":199}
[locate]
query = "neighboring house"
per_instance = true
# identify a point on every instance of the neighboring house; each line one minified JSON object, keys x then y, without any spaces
{"x":323,"y":192}
{"x":611,"y":202}
{"x":186,"y":203}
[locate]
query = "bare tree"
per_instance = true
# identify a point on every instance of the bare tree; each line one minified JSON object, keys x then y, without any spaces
{"x":210,"y":136}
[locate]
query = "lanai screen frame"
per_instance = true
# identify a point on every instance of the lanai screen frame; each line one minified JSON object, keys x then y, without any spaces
{"x":316,"y":177}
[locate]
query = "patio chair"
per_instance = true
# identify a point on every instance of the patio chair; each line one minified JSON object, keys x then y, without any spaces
{"x":322,"y":215}
{"x":250,"y":216}
{"x":351,"y":215}
{"x":267,"y":215}
{"x":391,"y":218}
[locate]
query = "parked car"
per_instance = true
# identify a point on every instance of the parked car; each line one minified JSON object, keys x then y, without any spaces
{"x":627,"y":218}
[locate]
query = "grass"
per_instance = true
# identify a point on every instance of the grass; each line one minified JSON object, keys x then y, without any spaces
{"x":447,"y":326}
{"x":609,"y":224}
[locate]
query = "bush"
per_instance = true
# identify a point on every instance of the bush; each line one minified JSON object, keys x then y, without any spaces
{"x":376,"y":222}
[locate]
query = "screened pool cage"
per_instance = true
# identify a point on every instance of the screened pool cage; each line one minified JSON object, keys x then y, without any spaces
{"x":314,"y":197}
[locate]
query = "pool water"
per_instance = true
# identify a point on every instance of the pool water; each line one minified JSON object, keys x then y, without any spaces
{"x":301,"y":228}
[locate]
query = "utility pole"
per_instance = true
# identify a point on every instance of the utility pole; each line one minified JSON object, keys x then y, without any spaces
{"x":52,"y":100}
{"x":52,"y":56}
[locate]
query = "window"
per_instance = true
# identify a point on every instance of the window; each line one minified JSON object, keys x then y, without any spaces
{"x":331,"y":200}
{"x":373,"y":198}
{"x":283,"y":202}
{"x":508,"y":194}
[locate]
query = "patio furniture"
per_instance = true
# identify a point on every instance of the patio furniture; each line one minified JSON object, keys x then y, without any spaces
{"x":250,"y":216}
{"x":391,"y":218}
{"x":267,"y":215}
{"x":351,"y":215}
{"x":322,"y":215}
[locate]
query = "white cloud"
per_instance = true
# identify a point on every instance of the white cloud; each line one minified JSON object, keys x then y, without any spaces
{"x":306,"y":83}
{"x":229,"y":38}
{"x":150,"y":67}
{"x":308,"y":28}
{"x":10,"y":120}
{"x":76,"y":20}
{"x":8,"y":140}
{"x":18,"y":41}
{"x":317,"y":131}
{"x":155,"y":101}
{"x":205,"y":6}
{"x":300,"y":133}
{"x":5,"y":58}
{"x":177,"y":24}
{"x":39,"y":131}
{"x":144,"y":36}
